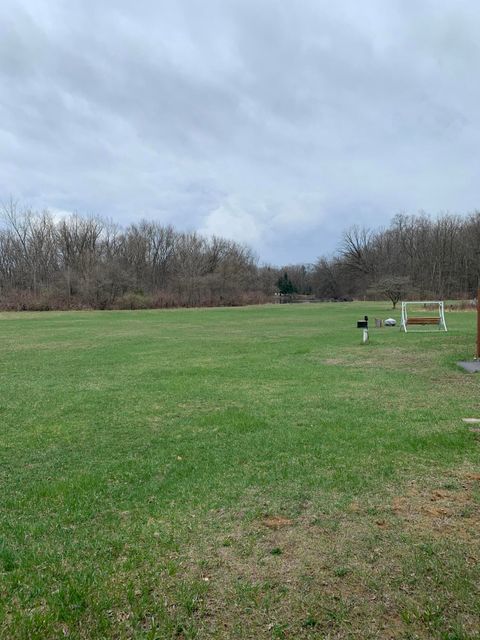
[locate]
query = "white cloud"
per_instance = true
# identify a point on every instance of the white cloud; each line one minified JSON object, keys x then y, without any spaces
{"x":236,"y":222}
{"x":278,"y":124}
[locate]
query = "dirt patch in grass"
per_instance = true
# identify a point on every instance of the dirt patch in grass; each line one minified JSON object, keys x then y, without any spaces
{"x":276,"y":522}
{"x":337,"y":362}
{"x":453,"y":510}
{"x":407,"y":568}
{"x":389,"y":359}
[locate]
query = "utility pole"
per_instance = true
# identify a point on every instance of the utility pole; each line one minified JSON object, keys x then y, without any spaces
{"x":478,"y":325}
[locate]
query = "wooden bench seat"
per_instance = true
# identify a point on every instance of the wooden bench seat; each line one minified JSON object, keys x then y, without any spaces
{"x":423,"y":321}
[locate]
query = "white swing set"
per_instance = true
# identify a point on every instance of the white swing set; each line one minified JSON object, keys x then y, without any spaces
{"x":409,"y":320}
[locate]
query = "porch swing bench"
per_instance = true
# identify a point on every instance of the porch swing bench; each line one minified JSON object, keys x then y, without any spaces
{"x":415,"y":321}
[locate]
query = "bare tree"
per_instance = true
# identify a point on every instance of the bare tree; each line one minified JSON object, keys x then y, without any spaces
{"x":395,"y":288}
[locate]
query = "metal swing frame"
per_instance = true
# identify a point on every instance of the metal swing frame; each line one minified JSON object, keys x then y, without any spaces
{"x":440,"y":320}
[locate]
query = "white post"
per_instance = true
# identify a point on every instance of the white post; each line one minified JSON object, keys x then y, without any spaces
{"x":442,"y":316}
{"x":403,"y":323}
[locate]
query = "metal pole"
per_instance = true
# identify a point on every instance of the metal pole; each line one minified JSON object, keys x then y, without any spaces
{"x":478,"y":324}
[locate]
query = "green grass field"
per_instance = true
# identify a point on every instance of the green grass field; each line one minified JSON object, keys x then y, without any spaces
{"x":237,"y":473}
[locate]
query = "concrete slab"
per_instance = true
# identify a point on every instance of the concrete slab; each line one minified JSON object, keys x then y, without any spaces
{"x":472,"y":366}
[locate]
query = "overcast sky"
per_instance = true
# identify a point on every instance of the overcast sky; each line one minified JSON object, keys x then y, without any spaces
{"x":275,"y":123}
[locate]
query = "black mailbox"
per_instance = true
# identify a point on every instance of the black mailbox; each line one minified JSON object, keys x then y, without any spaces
{"x":363,"y":324}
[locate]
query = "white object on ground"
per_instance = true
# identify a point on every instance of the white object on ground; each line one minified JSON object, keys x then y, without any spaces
{"x":390,"y":322}
{"x":471,"y":420}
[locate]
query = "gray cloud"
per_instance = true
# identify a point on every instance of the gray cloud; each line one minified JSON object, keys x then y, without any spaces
{"x":277,"y":124}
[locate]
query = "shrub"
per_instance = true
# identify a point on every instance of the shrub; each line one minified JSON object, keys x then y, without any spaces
{"x":133,"y":301}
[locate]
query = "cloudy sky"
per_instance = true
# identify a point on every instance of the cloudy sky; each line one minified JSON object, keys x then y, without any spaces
{"x":274,"y":123}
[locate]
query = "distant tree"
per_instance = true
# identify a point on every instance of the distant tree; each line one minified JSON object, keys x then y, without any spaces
{"x":331,"y":279}
{"x":393,"y":287}
{"x":285,"y":285}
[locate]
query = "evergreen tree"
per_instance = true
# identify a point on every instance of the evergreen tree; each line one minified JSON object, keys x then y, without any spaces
{"x":285,"y":285}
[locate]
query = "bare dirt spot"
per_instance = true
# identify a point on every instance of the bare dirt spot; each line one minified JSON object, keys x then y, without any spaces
{"x":391,"y":360}
{"x":335,"y":361}
{"x":442,"y":511}
{"x":383,"y":524}
{"x":277,"y":522}
{"x":473,"y":476}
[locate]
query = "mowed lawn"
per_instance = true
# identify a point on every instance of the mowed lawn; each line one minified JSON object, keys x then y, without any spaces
{"x":237,"y":473}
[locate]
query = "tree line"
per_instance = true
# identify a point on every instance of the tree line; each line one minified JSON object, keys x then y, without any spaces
{"x":87,"y":262}
{"x":415,"y":256}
